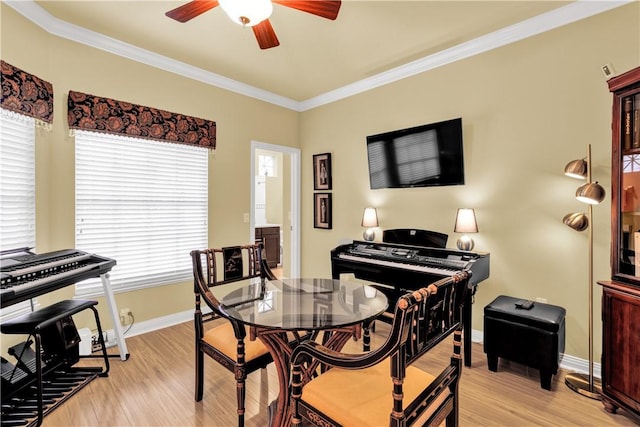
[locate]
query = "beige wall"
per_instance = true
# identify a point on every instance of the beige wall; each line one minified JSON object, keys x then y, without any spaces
{"x":528,"y":108}
{"x":72,"y":66}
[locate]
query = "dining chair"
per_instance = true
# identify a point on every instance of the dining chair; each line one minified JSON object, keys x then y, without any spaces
{"x":383,"y":387}
{"x":225,"y":342}
{"x":404,"y":236}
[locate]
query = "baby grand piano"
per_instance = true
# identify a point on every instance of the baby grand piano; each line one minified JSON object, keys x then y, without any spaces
{"x":399,"y":268}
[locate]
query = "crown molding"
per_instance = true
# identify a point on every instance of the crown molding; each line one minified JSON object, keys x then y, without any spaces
{"x":32,"y":11}
{"x":539,"y":24}
{"x":568,"y":14}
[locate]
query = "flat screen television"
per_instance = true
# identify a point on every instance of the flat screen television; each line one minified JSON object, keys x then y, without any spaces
{"x":421,"y":156}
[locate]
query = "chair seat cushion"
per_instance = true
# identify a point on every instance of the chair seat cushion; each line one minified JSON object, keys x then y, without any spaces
{"x":223,"y":339}
{"x":363,"y":397}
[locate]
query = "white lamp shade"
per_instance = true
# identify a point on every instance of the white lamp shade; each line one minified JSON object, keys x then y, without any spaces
{"x":247,"y":12}
{"x":466,"y":221}
{"x":370,"y":218}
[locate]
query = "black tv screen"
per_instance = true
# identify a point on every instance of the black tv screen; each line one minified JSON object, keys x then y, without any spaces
{"x":421,"y":156}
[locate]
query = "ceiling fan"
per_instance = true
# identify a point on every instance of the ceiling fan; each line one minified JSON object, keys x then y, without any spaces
{"x":255,"y":13}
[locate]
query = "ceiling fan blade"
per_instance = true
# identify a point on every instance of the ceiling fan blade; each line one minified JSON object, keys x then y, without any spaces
{"x":325,"y":8}
{"x":191,"y":10}
{"x":265,"y":35}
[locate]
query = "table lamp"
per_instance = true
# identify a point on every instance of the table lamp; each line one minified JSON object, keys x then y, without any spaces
{"x":465,"y":223}
{"x":369,"y":220}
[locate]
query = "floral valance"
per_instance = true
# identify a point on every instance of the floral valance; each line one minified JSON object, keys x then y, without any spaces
{"x":93,"y":113}
{"x":26,"y":94}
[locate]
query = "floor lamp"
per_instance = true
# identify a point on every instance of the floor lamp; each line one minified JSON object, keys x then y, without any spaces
{"x":590,"y":193}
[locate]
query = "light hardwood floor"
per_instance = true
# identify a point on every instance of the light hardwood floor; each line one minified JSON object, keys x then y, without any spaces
{"x":155,"y":387}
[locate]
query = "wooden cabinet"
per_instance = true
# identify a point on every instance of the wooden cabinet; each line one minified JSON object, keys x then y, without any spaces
{"x":270,"y":238}
{"x":620,"y":349}
{"x":625,"y":177}
{"x":621,"y":295}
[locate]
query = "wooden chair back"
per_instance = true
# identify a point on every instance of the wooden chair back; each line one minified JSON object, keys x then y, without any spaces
{"x":214,"y":267}
{"x":219,"y":266}
{"x":422,"y":319}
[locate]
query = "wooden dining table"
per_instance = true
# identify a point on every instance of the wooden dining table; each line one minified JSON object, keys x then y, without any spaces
{"x":286,"y":312}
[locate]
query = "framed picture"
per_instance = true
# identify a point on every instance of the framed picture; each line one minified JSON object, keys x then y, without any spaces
{"x":322,"y":210}
{"x":322,"y":171}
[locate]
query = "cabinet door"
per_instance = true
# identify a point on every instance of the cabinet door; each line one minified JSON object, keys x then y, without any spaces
{"x":621,"y":340}
{"x":270,"y":237}
{"x":625,"y":177}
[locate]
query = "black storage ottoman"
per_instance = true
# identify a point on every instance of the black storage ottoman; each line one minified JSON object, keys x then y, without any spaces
{"x":534,"y":337}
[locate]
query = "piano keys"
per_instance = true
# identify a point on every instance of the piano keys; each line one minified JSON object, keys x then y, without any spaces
{"x":26,"y":275}
{"x":401,"y":268}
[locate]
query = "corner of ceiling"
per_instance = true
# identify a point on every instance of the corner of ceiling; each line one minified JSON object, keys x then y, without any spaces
{"x":545,"y":22}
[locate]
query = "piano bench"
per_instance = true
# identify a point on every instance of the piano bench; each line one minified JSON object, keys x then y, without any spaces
{"x":534,"y":338}
{"x":55,"y":332}
{"x":39,"y":319}
{"x":56,"y":351}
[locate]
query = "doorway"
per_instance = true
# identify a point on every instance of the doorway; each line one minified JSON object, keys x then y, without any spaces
{"x":275,"y":201}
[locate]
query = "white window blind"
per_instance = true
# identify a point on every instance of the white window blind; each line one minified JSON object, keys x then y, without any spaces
{"x":17,"y":181}
{"x":17,"y":188}
{"x":142,"y":203}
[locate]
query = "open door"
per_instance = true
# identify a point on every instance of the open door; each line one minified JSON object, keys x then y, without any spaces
{"x":275,"y":204}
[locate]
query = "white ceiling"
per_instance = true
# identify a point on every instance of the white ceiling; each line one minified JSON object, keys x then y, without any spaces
{"x":371,"y":43}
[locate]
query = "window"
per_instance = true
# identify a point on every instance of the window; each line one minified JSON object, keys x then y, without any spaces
{"x":267,"y":165}
{"x":631,"y":163}
{"x":17,"y":187}
{"x":142,"y":203}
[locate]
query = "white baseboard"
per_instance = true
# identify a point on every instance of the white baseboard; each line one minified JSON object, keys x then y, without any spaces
{"x":151,"y":325}
{"x":567,"y":362}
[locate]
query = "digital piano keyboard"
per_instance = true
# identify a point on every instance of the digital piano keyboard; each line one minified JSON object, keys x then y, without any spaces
{"x":399,"y":269}
{"x":25,"y":275}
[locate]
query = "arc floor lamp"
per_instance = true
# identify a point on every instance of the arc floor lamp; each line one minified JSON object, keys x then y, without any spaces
{"x":590,"y":193}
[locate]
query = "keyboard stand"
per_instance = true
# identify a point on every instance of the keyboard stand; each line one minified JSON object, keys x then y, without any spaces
{"x":55,"y":382}
{"x":115,"y":316}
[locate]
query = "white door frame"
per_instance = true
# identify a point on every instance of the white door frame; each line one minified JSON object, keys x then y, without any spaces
{"x":294,"y":250}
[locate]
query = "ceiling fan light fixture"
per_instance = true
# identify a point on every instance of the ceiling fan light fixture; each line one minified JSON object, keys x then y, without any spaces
{"x":247,"y":12}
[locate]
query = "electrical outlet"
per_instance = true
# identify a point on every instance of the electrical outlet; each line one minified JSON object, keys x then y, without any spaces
{"x":125,"y":316}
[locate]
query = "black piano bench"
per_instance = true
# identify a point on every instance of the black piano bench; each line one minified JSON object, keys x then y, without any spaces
{"x":533,"y":337}
{"x":45,"y":375}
